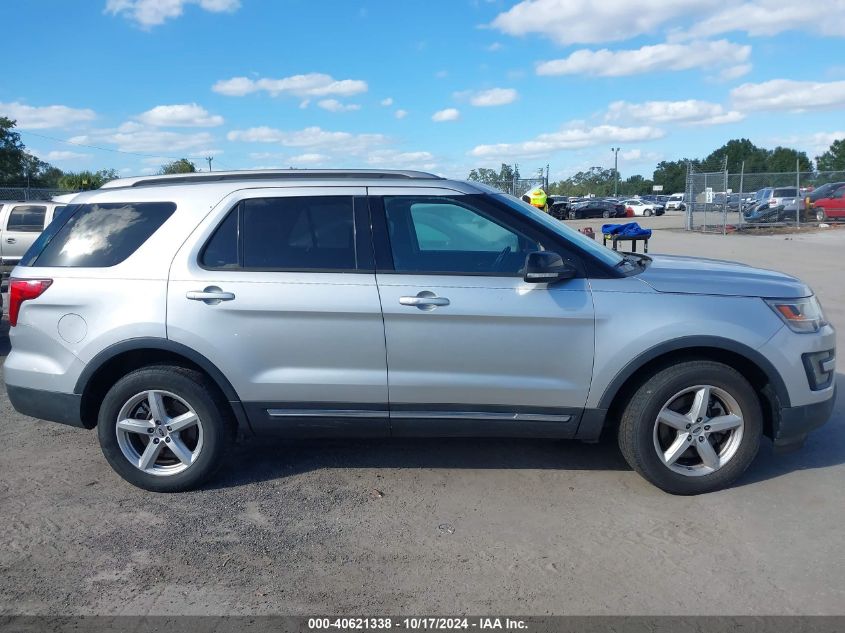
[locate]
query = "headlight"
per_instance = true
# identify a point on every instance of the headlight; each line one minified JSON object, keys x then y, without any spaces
{"x":801,"y":315}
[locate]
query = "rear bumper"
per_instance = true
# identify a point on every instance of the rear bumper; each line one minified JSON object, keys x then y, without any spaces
{"x":64,"y":408}
{"x":794,"y":423}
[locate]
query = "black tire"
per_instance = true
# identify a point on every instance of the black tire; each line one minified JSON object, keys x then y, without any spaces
{"x":218,"y":425}
{"x":636,"y":428}
{"x":605,"y":214}
{"x":821,"y":215}
{"x":573,"y":215}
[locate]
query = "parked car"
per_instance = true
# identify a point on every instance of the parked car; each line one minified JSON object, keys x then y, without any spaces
{"x":832,"y":206}
{"x":558,"y":206}
{"x":676,"y":202}
{"x":763,"y":213}
{"x":173,"y":312}
{"x":596,"y":209}
{"x":20,"y":224}
{"x":787,"y":197}
{"x":643,"y":207}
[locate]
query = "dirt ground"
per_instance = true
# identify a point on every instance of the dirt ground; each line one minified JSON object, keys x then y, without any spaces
{"x":435,"y":526}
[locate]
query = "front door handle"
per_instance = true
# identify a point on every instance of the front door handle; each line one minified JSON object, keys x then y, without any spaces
{"x":10,"y":240}
{"x":212,"y":295}
{"x":425,"y":300}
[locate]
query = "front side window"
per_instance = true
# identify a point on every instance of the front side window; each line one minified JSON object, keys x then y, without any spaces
{"x":97,"y":235}
{"x":441,"y":234}
{"x":27,"y":218}
{"x":293,"y":233}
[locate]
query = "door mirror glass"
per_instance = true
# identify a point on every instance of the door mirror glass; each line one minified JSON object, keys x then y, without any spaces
{"x":546,"y":267}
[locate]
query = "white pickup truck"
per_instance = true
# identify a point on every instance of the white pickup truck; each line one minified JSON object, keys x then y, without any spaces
{"x":21,"y":222}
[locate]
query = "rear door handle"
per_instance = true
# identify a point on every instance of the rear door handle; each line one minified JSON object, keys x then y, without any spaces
{"x":425,"y":300}
{"x":211,"y":295}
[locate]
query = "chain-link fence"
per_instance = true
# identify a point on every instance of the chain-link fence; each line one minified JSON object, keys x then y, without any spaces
{"x":519,"y":186}
{"x":722,"y":201}
{"x":29,"y":193}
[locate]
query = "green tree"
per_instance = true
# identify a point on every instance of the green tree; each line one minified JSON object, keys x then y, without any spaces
{"x":12,"y":153}
{"x":783,"y":159}
{"x":834,"y":158}
{"x":596,"y":181}
{"x":672,"y":174}
{"x":85,"y":180}
{"x":181,"y":166}
{"x":741,"y":150}
{"x":503,"y":179}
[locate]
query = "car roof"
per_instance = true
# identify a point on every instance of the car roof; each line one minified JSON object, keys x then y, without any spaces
{"x":309,"y":175}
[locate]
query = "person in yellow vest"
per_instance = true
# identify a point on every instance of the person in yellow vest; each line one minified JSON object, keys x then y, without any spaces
{"x":537,"y":198}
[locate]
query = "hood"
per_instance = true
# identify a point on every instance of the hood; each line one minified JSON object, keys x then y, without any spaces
{"x":692,"y":275}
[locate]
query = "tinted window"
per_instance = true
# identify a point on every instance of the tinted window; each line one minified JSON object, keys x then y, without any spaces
{"x":785,"y":192}
{"x":297,"y":233}
{"x":27,"y":218}
{"x":97,"y":235}
{"x":439,"y":234}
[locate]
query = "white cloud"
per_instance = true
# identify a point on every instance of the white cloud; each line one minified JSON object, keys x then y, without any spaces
{"x":771,"y":17}
{"x":308,"y":159}
{"x":135,"y":137}
{"x":149,"y":13}
{"x":786,"y":94}
{"x":814,"y":144}
{"x":387,"y":102}
{"x":494,"y":97}
{"x":449,"y":114}
{"x":588,"y":22}
{"x":689,"y":112}
{"x":401,"y":160}
{"x":333,"y":105}
{"x":657,"y":57}
{"x":311,"y":139}
{"x":573,"y":136}
{"x":38,"y":118}
{"x":307,"y":85}
{"x":400,"y":114}
{"x":494,"y":47}
{"x":59,"y":155}
{"x":441,"y":74}
{"x":182,"y":115}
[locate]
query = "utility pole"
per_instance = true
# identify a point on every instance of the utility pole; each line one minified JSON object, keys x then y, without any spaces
{"x":615,"y":151}
{"x":209,"y":159}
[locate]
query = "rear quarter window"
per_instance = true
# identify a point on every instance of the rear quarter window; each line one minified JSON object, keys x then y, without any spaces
{"x":97,"y":235}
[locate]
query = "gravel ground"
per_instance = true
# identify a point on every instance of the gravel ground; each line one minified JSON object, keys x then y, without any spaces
{"x":434,"y":526}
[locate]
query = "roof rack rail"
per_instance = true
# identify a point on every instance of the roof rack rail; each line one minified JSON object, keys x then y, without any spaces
{"x":271,"y":174}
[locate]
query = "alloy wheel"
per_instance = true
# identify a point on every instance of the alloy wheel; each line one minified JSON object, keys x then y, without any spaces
{"x":159,"y":433}
{"x":698,"y":430}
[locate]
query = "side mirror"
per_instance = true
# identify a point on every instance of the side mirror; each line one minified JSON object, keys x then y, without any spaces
{"x":546,"y":267}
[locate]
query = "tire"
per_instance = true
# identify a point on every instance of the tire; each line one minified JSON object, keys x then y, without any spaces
{"x":647,"y":213}
{"x":573,"y":215}
{"x":821,"y":215}
{"x":179,"y":392}
{"x":605,"y":214}
{"x":641,"y":435}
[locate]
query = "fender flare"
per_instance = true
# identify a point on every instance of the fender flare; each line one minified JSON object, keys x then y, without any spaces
{"x":690,"y":342}
{"x":151,"y":343}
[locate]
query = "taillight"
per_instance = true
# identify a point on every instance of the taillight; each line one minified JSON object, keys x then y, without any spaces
{"x":21,"y":290}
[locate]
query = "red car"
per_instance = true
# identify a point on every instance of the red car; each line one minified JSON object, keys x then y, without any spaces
{"x":831,"y":206}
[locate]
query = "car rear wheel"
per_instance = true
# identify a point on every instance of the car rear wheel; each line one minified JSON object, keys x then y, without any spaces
{"x":165,"y":428}
{"x":821,"y":215}
{"x":605,"y":214}
{"x":647,"y":213}
{"x":692,"y":428}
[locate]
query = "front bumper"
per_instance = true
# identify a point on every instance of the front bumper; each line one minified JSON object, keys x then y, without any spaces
{"x":64,"y":408}
{"x":794,"y":423}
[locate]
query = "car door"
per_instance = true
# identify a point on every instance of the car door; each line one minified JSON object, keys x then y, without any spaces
{"x":472,"y":348}
{"x":23,"y":223}
{"x":836,"y":207}
{"x":277,"y":289}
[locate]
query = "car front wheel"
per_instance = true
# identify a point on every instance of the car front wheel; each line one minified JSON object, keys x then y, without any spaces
{"x":692,"y":428}
{"x":573,"y":215}
{"x":605,"y":214}
{"x":165,"y":428}
{"x":821,"y":216}
{"x":647,"y":213}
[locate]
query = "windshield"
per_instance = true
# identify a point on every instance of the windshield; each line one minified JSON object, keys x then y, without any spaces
{"x":609,"y":257}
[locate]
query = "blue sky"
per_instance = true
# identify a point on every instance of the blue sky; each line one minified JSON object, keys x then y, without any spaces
{"x":440,"y":85}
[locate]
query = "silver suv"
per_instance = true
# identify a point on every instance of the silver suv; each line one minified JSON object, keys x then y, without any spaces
{"x":172,"y":313}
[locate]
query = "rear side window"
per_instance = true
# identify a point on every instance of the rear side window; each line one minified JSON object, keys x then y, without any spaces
{"x":97,"y":235}
{"x":786,"y":192}
{"x":27,"y":218}
{"x":291,"y":233}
